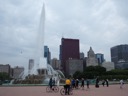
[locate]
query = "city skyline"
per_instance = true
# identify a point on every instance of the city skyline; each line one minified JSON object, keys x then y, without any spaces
{"x":100,"y":24}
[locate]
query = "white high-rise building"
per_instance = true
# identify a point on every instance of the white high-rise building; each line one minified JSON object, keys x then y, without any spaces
{"x":108,"y":65}
{"x":18,"y":72}
{"x":91,"y":59}
{"x":30,"y":65}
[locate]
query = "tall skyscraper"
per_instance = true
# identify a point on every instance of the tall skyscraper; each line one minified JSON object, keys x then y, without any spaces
{"x":55,"y":64}
{"x":30,"y":65}
{"x":81,"y":55}
{"x":69,"y":49}
{"x":47,"y":54}
{"x":91,"y":59}
{"x":119,"y":53}
{"x":100,"y":58}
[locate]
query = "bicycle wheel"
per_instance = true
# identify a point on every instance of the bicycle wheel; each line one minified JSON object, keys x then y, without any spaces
{"x":48,"y":89}
{"x":56,"y":89}
{"x":62,"y":91}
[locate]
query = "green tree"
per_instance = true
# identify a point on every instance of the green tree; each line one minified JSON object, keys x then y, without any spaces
{"x":94,"y":71}
{"x":77,"y":74}
{"x":4,"y":76}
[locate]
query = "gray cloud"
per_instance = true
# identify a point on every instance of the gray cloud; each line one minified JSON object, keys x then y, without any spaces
{"x":98,"y":23}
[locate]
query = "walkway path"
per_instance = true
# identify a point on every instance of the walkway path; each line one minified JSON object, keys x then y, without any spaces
{"x":112,"y":90}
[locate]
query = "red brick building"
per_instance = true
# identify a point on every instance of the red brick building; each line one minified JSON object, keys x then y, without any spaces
{"x":69,"y":49}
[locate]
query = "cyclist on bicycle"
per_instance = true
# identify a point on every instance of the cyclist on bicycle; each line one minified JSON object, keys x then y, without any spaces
{"x":67,"y":86}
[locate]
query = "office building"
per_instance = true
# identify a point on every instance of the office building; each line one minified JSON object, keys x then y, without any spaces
{"x":119,"y":53}
{"x":81,"y":55}
{"x":69,"y":49}
{"x":30,"y":65}
{"x":100,"y":58}
{"x":122,"y":65}
{"x":5,"y":68}
{"x":73,"y":65}
{"x":47,"y":54}
{"x":18,"y":72}
{"x":108,"y":65}
{"x":91,"y":59}
{"x":55,"y":64}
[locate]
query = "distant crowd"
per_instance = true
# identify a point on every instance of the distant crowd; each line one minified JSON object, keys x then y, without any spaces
{"x":80,"y":83}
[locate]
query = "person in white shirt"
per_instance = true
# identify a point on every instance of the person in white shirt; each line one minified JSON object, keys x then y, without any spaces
{"x":121,"y":84}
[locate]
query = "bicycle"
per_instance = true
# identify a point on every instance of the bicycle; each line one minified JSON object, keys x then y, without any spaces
{"x":62,"y":91}
{"x":54,"y":88}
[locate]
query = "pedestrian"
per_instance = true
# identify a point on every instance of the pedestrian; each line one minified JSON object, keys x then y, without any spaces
{"x":88,"y":82}
{"x":58,"y":81}
{"x":50,"y":83}
{"x":121,"y":84}
{"x":97,"y":83}
{"x":53,"y":82}
{"x":82,"y":83}
{"x":73,"y":83}
{"x":103,"y":82}
{"x":67,"y":86}
{"x":77,"y":83}
{"x":107,"y":82}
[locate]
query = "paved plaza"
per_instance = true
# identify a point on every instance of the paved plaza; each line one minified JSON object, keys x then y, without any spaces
{"x":112,"y":90}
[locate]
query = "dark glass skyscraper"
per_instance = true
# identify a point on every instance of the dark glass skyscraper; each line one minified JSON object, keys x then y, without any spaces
{"x":119,"y":53}
{"x":69,"y":49}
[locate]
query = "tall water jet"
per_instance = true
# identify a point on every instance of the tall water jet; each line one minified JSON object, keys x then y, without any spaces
{"x":44,"y":69}
{"x":41,"y":71}
{"x":40,"y":47}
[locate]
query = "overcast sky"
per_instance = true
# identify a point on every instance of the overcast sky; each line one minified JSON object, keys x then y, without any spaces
{"x":100,"y":24}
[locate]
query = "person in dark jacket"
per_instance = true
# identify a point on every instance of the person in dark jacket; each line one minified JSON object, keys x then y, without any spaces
{"x":50,"y":83}
{"x":97,"y":83}
{"x":88,"y":82}
{"x":82,"y":83}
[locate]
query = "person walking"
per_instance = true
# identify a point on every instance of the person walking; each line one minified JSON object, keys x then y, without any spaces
{"x":53,"y":82}
{"x":82,"y":83}
{"x":97,"y":83}
{"x":87,"y":81}
{"x":67,"y":86}
{"x":50,"y":83}
{"x":73,"y":83}
{"x":107,"y":82}
{"x":121,"y":83}
{"x":58,"y":81}
{"x":103,"y":82}
{"x":77,"y":83}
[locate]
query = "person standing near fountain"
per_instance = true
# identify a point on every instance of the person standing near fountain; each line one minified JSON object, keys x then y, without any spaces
{"x":107,"y":82}
{"x":58,"y":81}
{"x":82,"y":83}
{"x":53,"y":82}
{"x":87,"y":82}
{"x":50,"y":83}
{"x":97,"y":83}
{"x":121,"y":83}
{"x":67,"y":86}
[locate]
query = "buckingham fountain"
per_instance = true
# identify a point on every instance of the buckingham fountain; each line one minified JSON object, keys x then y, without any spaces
{"x":41,"y":71}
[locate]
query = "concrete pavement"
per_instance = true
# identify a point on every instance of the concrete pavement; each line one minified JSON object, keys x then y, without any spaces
{"x":112,"y":90}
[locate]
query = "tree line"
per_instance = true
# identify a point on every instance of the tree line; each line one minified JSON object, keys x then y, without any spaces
{"x":91,"y":72}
